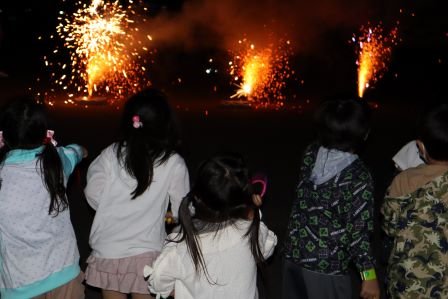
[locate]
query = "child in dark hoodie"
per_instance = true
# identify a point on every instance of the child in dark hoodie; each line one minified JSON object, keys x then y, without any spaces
{"x":332,"y":216}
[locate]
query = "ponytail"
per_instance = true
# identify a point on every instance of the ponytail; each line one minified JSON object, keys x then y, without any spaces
{"x":221,"y":196}
{"x":188,"y":233}
{"x":53,"y":176}
{"x":253,"y":234}
{"x":149,"y":137}
{"x":139,"y":161}
{"x":24,"y":124}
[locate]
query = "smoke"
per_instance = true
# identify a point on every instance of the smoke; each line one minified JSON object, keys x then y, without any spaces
{"x":220,"y":23}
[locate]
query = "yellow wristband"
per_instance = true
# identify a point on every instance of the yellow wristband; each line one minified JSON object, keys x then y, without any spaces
{"x":368,"y":274}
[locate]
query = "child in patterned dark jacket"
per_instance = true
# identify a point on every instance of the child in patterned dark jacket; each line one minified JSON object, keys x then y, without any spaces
{"x":332,"y":216}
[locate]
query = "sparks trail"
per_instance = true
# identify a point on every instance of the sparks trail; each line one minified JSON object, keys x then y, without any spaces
{"x":107,"y":56}
{"x":374,"y":52}
{"x":261,"y":74}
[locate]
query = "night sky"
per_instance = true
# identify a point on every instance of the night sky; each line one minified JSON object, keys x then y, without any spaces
{"x":320,"y":30}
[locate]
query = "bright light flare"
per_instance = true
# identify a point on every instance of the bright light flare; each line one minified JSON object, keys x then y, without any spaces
{"x":374,"y":53}
{"x":261,"y":74}
{"x":255,"y":73}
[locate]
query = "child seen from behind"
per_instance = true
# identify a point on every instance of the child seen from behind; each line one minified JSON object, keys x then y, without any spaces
{"x":38,"y":252}
{"x":221,"y":239}
{"x":130,"y":185}
{"x":332,"y":216}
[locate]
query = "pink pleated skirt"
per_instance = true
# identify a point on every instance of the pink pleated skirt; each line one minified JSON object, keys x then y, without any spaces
{"x":124,"y":275}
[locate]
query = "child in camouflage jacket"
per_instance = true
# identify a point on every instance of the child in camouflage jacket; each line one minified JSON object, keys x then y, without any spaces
{"x":415,"y":214}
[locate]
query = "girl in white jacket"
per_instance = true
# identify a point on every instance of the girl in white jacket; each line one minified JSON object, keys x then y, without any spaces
{"x":221,"y":239}
{"x":130,"y":185}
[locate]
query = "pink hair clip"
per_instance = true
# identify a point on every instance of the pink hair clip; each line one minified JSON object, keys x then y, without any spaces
{"x":260,"y":181}
{"x":136,"y":123}
{"x":49,"y":138}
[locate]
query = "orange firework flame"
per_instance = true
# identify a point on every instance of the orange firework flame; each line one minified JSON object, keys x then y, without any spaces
{"x":375,"y":50}
{"x":255,"y":73}
{"x":104,"y":49}
{"x":261,"y":74}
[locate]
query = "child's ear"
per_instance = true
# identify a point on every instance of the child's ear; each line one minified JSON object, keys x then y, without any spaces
{"x":422,"y":150}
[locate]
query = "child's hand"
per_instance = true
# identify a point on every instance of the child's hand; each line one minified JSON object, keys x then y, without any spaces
{"x":370,"y":289}
{"x":85,"y":153}
{"x":256,"y":198}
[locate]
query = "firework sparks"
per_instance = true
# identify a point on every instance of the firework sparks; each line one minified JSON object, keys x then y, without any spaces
{"x":375,"y":50}
{"x":105,"y":51}
{"x":255,"y":73}
{"x":261,"y":74}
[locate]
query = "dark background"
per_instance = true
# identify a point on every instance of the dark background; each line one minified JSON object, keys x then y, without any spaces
{"x":272,"y":141}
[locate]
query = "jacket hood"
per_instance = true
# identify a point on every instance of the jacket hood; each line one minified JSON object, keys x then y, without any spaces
{"x":330,"y":162}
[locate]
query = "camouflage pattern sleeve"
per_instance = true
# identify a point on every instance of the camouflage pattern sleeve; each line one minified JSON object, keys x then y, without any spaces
{"x":418,"y":263}
{"x":390,"y":209}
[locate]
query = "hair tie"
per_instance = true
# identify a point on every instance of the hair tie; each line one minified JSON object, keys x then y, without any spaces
{"x":49,"y":138}
{"x":262,"y":180}
{"x":136,"y":123}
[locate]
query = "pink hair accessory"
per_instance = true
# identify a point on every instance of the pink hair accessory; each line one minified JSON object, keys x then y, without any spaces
{"x":262,"y":180}
{"x":136,"y":123}
{"x":49,"y":138}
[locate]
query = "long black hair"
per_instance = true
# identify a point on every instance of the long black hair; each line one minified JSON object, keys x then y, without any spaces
{"x":24,"y":125}
{"x":149,"y":136}
{"x":221,"y":195}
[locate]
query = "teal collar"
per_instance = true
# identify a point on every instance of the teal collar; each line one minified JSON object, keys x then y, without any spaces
{"x":22,"y":155}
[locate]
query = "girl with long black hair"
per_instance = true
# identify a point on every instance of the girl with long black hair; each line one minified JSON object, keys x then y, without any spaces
{"x":130,"y":185}
{"x":38,"y":252}
{"x":221,"y":239}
